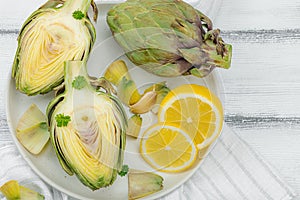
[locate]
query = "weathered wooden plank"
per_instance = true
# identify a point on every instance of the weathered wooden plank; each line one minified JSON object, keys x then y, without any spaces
{"x":8,"y":45}
{"x":286,"y":36}
{"x":257,"y":14}
{"x":234,"y":14}
{"x":264,"y":78}
{"x":14,"y":13}
{"x":262,"y":122}
{"x":4,"y":130}
{"x":262,"y":87}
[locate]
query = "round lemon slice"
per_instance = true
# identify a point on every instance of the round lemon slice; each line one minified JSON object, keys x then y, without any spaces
{"x":196,"y":109}
{"x":168,"y":148}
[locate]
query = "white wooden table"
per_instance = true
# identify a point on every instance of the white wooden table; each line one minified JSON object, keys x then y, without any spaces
{"x":262,"y":87}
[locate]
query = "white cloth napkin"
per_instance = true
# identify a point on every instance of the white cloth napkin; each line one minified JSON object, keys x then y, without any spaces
{"x":231,"y":171}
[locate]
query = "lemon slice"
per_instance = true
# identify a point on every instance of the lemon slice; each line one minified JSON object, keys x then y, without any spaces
{"x":168,"y":148}
{"x":196,"y":109}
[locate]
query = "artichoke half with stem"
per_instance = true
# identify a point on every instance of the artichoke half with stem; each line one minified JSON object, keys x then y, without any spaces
{"x":168,"y":37}
{"x":87,"y":128}
{"x":59,"y":30}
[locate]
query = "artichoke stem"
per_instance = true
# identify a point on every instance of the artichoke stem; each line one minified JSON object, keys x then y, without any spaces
{"x":73,"y":70}
{"x":219,"y":55}
{"x":73,"y":5}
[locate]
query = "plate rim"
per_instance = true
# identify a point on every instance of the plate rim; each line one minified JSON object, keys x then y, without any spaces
{"x":219,"y":84}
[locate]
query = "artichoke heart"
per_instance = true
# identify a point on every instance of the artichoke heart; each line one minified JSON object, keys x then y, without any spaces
{"x":168,"y":37}
{"x":60,"y":30}
{"x":142,"y":184}
{"x":32,"y":130}
{"x":87,"y":129}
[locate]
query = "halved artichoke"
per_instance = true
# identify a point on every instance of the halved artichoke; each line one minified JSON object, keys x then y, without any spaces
{"x":87,"y":129}
{"x":60,"y":30}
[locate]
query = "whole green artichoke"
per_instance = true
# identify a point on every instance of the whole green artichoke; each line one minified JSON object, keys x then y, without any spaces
{"x":168,"y":37}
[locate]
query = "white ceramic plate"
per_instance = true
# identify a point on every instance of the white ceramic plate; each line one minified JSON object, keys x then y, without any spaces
{"x":46,"y":164}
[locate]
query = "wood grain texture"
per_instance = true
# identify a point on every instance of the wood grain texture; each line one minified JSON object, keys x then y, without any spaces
{"x":14,"y":13}
{"x":262,"y":87}
{"x":259,"y":15}
{"x":264,"y":79}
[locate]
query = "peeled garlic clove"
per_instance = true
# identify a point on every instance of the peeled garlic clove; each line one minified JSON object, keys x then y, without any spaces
{"x":134,"y":126}
{"x":145,"y":104}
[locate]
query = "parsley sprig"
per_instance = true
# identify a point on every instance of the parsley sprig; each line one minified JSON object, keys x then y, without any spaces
{"x":124,"y":170}
{"x":62,"y":120}
{"x":78,"y":15}
{"x":79,"y":82}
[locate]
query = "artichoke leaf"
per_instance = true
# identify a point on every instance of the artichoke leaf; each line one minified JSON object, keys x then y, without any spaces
{"x":134,"y":126}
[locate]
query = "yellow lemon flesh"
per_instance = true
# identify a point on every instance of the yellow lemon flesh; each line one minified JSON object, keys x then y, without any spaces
{"x":196,"y":109}
{"x":168,"y":148}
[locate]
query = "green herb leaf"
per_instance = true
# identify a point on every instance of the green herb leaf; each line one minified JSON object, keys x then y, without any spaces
{"x":79,"y":82}
{"x":78,"y":14}
{"x":62,"y":120}
{"x":124,"y":170}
